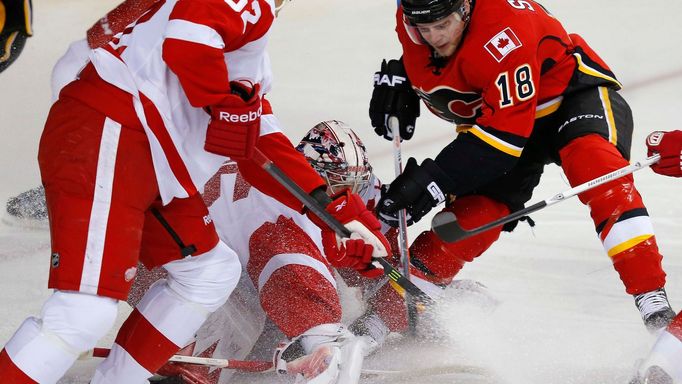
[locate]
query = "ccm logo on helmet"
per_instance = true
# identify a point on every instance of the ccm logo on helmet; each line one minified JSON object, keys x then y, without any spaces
{"x":391,"y":81}
{"x":243,"y":118}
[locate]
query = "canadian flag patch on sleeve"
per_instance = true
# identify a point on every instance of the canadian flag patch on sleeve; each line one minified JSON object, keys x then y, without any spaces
{"x":503,"y":43}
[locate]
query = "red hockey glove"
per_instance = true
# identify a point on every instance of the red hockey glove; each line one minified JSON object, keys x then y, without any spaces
{"x":235,"y":123}
{"x":366,"y":239}
{"x":669,"y":146}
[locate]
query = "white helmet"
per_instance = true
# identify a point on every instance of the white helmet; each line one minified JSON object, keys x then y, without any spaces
{"x":338,"y":155}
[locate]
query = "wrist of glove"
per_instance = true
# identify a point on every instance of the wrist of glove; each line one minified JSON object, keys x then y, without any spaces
{"x":366,"y":240}
{"x":235,"y":123}
{"x":393,"y":96}
{"x":669,"y":146}
{"x":417,"y":190}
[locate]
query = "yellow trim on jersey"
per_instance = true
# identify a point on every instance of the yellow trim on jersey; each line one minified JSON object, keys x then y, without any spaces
{"x":628,"y":244}
{"x":8,"y":46}
{"x":548,"y":108}
{"x":27,"y":17}
{"x":495,"y":142}
{"x":610,"y":119}
{"x":3,"y":16}
{"x":464,"y":128}
{"x":584,"y":68}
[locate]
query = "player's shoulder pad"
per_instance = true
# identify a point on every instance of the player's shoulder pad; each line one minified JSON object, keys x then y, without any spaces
{"x":236,"y":21}
{"x":493,"y":43}
{"x":502,"y":28}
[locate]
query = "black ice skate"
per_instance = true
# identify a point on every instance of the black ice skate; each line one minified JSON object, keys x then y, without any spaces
{"x":653,"y":375}
{"x":655,"y":309}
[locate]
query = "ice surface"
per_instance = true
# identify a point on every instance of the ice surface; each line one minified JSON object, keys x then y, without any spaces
{"x":563,"y":315}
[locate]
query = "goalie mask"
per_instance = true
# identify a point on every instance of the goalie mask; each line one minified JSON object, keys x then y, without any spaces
{"x":337,"y":154}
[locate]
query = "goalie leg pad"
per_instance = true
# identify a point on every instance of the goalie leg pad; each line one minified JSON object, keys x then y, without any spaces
{"x":324,"y":354}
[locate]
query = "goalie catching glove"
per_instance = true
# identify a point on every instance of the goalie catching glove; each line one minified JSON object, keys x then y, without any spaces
{"x":669,"y":146}
{"x":235,"y":122}
{"x":366,"y":241}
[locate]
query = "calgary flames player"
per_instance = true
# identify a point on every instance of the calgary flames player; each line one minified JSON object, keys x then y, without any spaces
{"x":125,"y":150}
{"x":523,"y":93}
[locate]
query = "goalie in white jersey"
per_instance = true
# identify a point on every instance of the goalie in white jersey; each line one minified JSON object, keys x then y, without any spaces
{"x":281,"y":252}
{"x":287,"y":276}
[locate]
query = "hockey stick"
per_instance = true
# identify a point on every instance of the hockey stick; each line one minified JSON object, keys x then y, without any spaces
{"x":446,"y":227}
{"x":262,"y":366}
{"x":403,"y":244}
{"x":242,"y":365}
{"x":314,"y":206}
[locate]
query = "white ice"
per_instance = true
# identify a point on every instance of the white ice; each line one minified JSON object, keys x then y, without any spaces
{"x":564,"y":316}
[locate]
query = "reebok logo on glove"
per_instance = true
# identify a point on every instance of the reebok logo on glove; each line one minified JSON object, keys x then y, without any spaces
{"x":391,"y":81}
{"x":339,"y":207}
{"x":242,"y":118}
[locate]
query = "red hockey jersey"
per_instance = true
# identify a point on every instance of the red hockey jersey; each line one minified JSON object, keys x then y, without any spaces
{"x":513,"y":65}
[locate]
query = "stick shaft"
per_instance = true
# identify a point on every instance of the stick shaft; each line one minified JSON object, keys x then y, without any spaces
{"x":403,"y":242}
{"x":243,"y":365}
{"x":446,"y":227}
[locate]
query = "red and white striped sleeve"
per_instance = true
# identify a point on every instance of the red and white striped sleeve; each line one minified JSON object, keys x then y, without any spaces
{"x":279,"y":149}
{"x":198,"y":35}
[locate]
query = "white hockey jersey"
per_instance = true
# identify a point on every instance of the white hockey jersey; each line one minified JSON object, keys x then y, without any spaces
{"x":237,"y":217}
{"x":177,"y":59}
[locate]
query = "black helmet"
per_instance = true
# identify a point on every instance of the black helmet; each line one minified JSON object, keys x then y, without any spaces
{"x":428,"y":11}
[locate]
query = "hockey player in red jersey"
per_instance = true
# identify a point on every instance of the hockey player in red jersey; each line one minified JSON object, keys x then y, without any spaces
{"x":523,"y":93}
{"x":664,"y":363}
{"x":16,"y":26}
{"x":29,"y":206}
{"x":124,"y":152}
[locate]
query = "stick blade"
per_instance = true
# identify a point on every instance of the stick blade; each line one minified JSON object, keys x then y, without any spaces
{"x":446,"y":227}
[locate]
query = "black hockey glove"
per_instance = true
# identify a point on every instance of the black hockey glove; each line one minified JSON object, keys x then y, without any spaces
{"x":418,"y":189}
{"x":393,"y":96}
